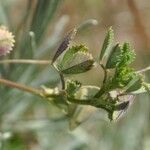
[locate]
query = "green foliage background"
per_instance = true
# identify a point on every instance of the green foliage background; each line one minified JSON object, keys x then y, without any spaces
{"x":36,"y":124}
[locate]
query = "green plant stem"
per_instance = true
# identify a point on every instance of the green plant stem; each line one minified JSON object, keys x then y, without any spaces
{"x":100,"y":93}
{"x":39,"y":92}
{"x":92,"y":102}
{"x":61,"y":77}
{"x":25,"y":61}
{"x":79,"y":101}
{"x":21,"y":87}
{"x":105,"y":73}
{"x":62,"y":80}
{"x":102,"y":90}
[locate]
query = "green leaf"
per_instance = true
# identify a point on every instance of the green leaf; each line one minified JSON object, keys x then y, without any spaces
{"x":73,"y":50}
{"x":107,"y":44}
{"x":134,"y":85}
{"x":64,"y":45}
{"x":114,"y":58}
{"x":122,"y":77}
{"x":79,"y":68}
{"x":142,"y":89}
{"x":76,"y":60}
{"x":72,"y":87}
{"x":128,"y":55}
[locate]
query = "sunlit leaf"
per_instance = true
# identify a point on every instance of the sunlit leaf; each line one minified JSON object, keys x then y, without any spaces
{"x":73,"y":50}
{"x":128,"y":55}
{"x":76,"y":60}
{"x":122,"y":77}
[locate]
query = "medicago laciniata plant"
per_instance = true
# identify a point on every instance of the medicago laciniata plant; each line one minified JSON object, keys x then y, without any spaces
{"x":120,"y":85}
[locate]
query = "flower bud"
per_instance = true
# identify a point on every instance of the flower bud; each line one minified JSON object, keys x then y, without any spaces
{"x":6,"y":41}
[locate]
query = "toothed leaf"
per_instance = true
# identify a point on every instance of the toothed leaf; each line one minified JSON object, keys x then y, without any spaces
{"x":72,"y":87}
{"x":76,"y":60}
{"x":73,"y":50}
{"x":128,"y":55}
{"x":64,"y":45}
{"x":82,"y":62}
{"x":114,"y":58}
{"x":122,"y":77}
{"x":107,"y":44}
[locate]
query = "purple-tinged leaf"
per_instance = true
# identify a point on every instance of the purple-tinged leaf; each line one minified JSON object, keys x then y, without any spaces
{"x":123,"y":106}
{"x":64,"y":45}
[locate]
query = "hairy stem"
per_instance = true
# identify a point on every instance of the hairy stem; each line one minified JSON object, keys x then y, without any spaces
{"x":25,"y":61}
{"x":40,"y":92}
{"x":21,"y":87}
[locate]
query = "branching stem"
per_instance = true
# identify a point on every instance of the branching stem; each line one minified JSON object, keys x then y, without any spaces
{"x":93,"y":102}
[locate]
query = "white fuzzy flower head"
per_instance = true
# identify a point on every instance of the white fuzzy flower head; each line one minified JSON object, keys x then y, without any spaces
{"x":6,"y":41}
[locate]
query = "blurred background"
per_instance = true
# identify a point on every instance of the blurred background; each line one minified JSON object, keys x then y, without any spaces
{"x":29,"y":123}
